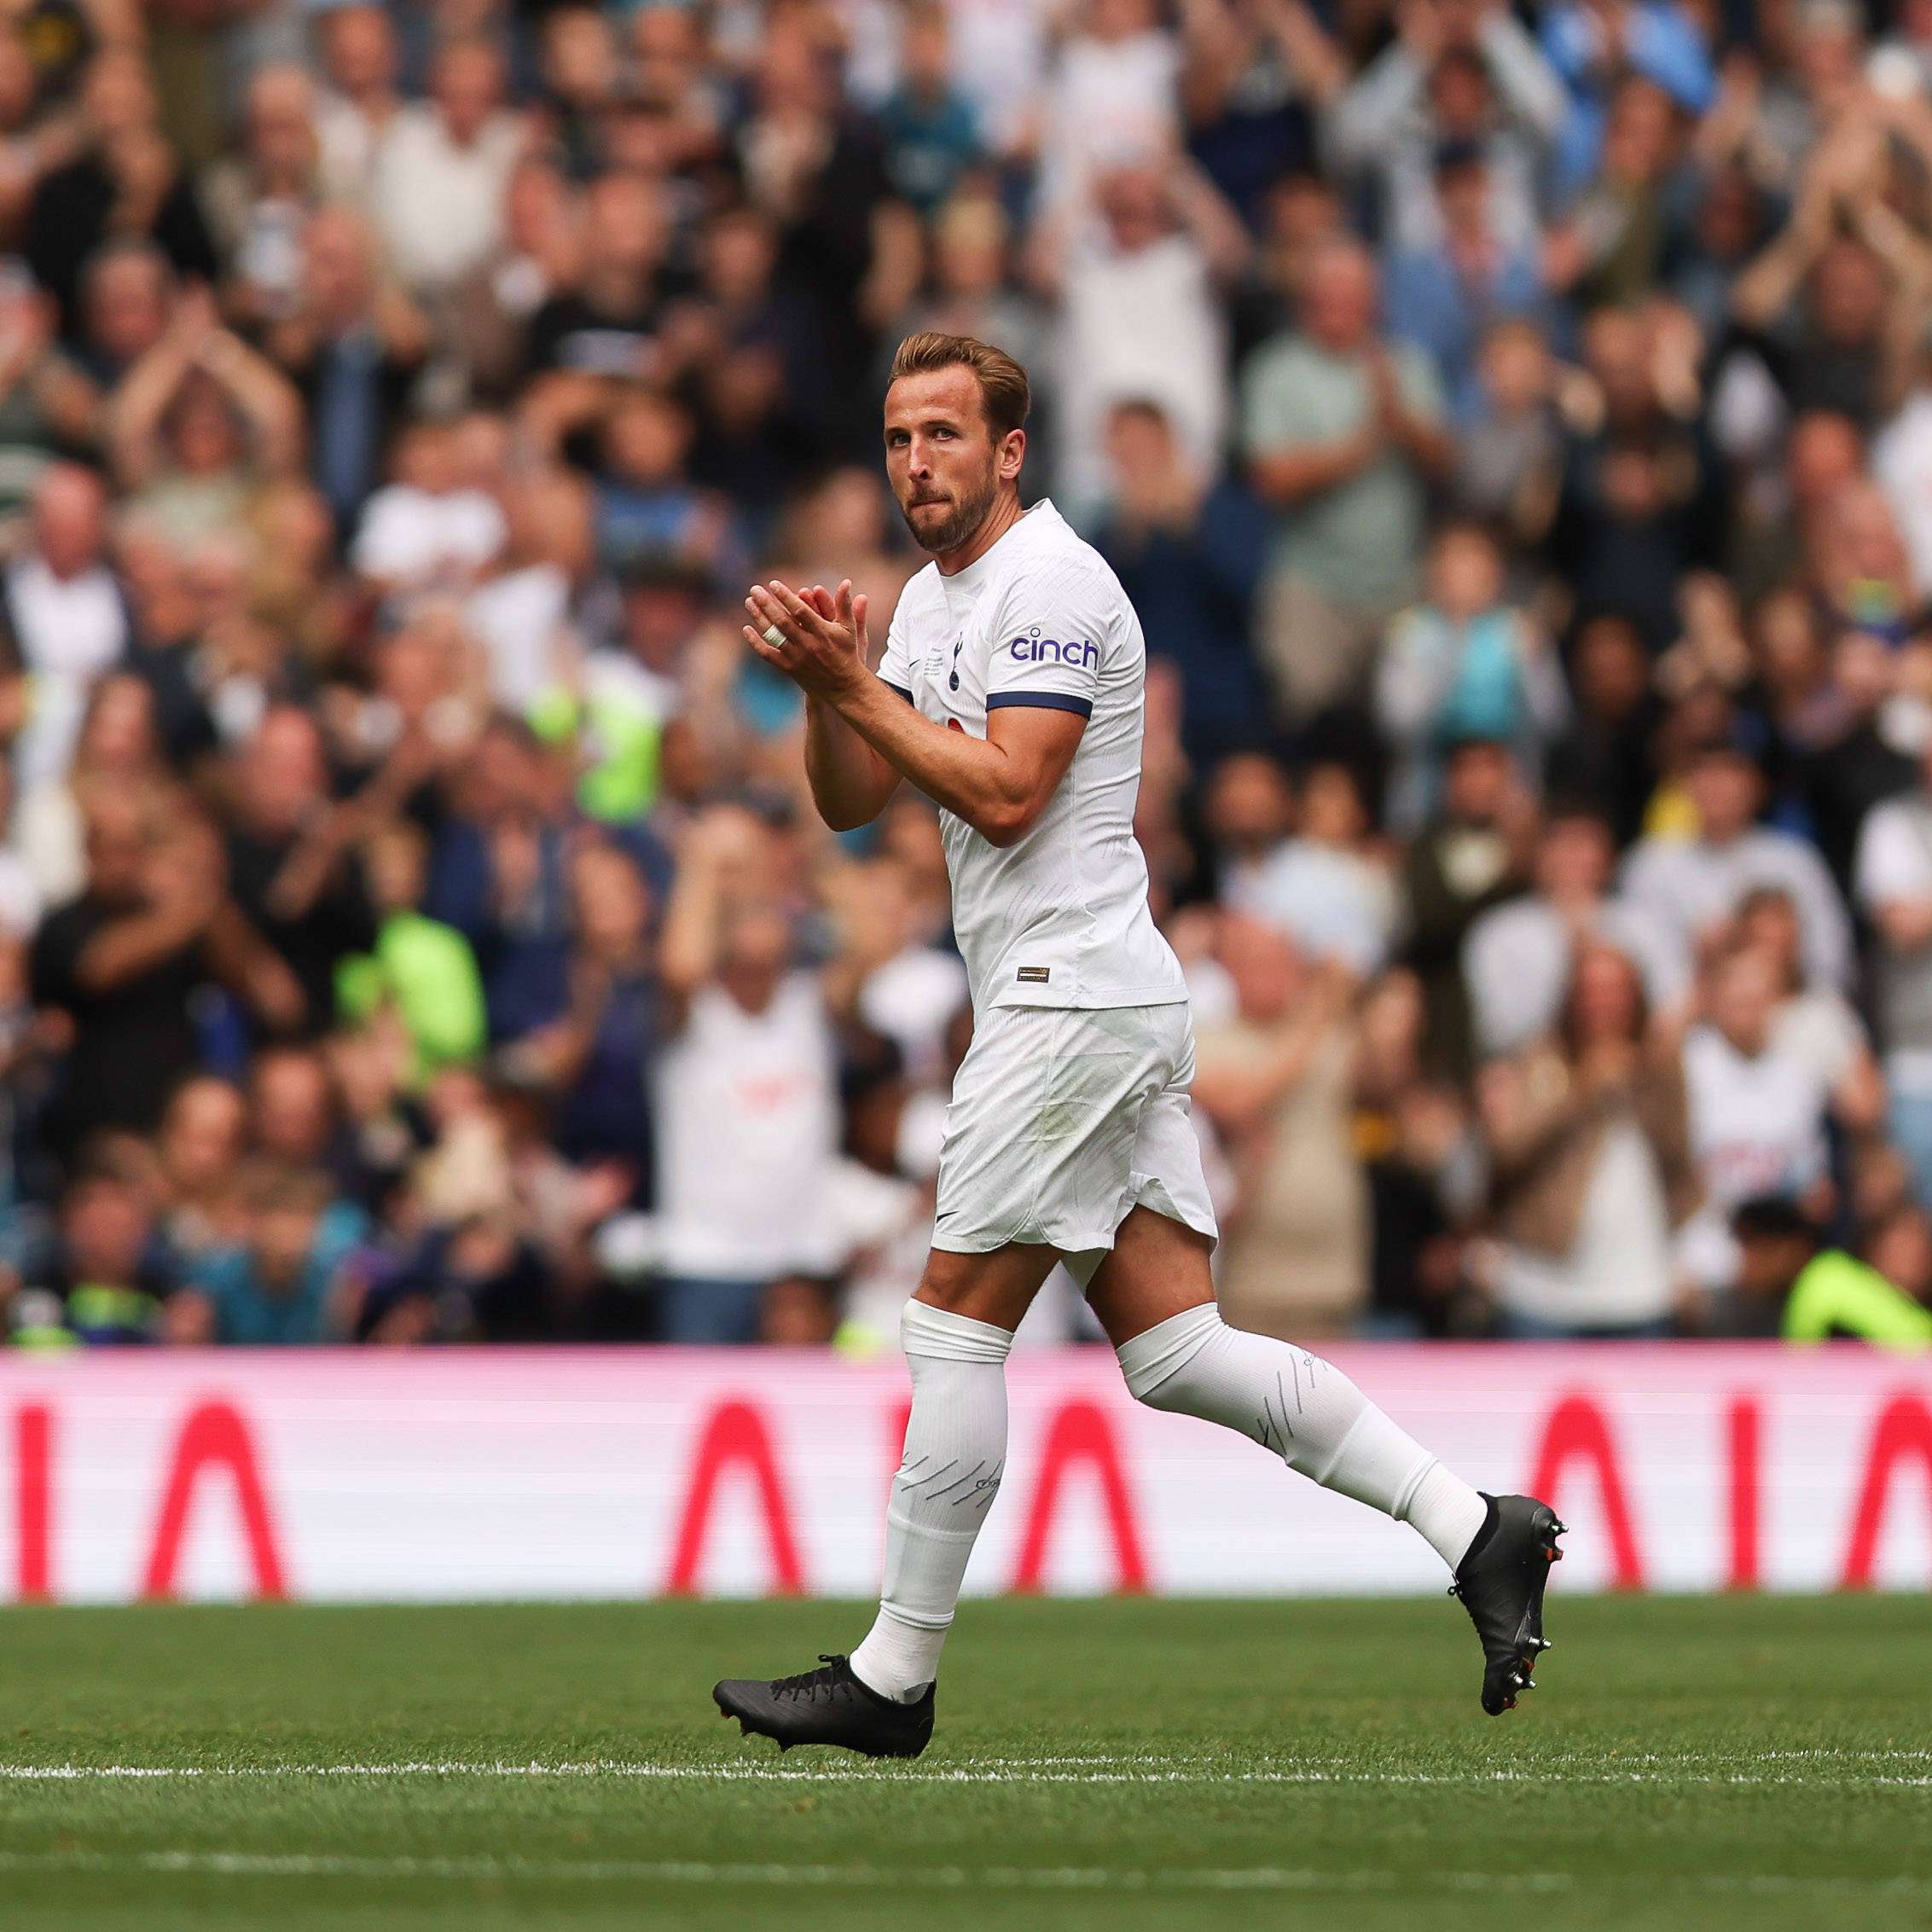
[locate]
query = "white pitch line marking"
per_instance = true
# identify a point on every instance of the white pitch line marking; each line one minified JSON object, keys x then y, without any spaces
{"x":248,"y":1864}
{"x":1827,"y":1771}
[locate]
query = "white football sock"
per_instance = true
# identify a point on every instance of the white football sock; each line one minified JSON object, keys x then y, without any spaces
{"x":955,"y":1450}
{"x":1309,"y":1414}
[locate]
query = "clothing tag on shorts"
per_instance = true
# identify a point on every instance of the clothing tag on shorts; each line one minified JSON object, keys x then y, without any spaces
{"x":1035,"y":976}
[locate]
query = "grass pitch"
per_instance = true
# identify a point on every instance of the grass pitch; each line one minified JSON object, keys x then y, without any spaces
{"x":1685,"y":1763}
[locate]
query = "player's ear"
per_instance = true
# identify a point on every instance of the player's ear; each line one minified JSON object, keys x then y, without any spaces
{"x":1012,"y":453}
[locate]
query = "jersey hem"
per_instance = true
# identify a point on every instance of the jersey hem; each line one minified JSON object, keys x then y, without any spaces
{"x":1144,"y":997}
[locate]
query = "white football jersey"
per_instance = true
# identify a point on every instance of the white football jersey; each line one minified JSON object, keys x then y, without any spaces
{"x":1060,"y":919}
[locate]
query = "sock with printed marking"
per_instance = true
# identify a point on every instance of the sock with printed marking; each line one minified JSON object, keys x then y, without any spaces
{"x":1309,"y":1414}
{"x":955,"y":1451}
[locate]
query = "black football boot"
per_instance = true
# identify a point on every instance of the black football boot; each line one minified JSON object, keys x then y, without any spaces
{"x":1501,"y":1581}
{"x":828,"y":1706}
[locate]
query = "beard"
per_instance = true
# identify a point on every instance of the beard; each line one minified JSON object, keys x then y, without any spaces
{"x":967,"y":514}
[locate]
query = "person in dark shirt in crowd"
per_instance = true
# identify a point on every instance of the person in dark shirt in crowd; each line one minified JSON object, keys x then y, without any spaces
{"x":589,"y":1056}
{"x":1605,"y":759}
{"x":110,"y":1274}
{"x":932,"y":132}
{"x":123,"y":962}
{"x":353,"y":346}
{"x":292,"y":870}
{"x":607,"y":323}
{"x":1474,"y":856}
{"x":498,"y":874}
{"x":125,"y":181}
{"x":1189,"y":557}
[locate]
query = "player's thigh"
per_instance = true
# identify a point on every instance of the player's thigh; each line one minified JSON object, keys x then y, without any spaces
{"x":1159,"y":1267}
{"x":997,"y":1286}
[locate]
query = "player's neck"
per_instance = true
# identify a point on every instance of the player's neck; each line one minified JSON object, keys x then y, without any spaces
{"x":1004,"y":514}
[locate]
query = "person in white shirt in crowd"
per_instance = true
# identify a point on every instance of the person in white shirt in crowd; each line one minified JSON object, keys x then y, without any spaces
{"x":1518,"y":957}
{"x":118,"y":752}
{"x":1113,"y":100}
{"x":1902,"y":466}
{"x":437,"y":184}
{"x":1590,"y":1167}
{"x":747,"y":1097}
{"x":1001,"y":49}
{"x":69,"y":623}
{"x":1816,"y":1024}
{"x":429,"y":530}
{"x":358,"y":100}
{"x":1693,"y":886}
{"x":522,"y":617}
{"x":1140,"y":316}
{"x":1458,"y":70}
{"x":1758,"y":1113}
{"x":902,"y":988}
{"x":21,"y":898}
{"x":1891,"y":879}
{"x":1326,"y":887}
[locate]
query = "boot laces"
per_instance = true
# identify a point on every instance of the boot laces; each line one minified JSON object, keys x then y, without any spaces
{"x":807,"y":1684}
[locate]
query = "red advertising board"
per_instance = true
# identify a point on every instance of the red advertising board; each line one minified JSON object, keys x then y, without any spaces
{"x":363,"y":1476}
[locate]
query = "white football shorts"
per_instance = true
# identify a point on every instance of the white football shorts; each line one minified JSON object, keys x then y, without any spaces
{"x":1062,"y":1121}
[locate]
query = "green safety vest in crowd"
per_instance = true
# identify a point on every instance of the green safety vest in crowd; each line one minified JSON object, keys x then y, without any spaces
{"x":1837,"y":1295}
{"x":428,"y":970}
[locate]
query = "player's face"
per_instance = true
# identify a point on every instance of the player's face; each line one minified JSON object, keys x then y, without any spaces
{"x":945,"y":464}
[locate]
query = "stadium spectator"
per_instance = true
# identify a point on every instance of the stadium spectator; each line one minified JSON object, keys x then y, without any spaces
{"x":65,"y":614}
{"x":1275,"y":1078}
{"x":1518,"y":957}
{"x":108,"y":1275}
{"x":1325,"y":886}
{"x":1591,"y":1168}
{"x":120,"y":964}
{"x":1758,"y":1113}
{"x":744,"y":1100}
{"x":127,"y":181}
{"x":1189,"y":557}
{"x":1471,"y":857}
{"x":1692,"y":886}
{"x":1342,"y":433}
{"x":294,"y":875}
{"x":292,"y":1281}
{"x":437,"y":182}
{"x":1463,"y":664}
{"x":1458,"y":72}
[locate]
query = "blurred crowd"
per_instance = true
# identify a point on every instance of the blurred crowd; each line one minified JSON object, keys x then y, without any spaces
{"x":1513,"y":425}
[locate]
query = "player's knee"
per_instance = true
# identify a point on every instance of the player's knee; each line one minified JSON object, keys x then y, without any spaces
{"x":1153,"y":1363}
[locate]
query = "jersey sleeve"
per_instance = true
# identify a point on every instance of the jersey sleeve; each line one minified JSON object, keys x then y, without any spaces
{"x":1049,"y":644}
{"x":895,"y":668}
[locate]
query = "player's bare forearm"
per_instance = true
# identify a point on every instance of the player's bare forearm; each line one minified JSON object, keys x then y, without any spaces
{"x":851,"y":784}
{"x":999,"y":784}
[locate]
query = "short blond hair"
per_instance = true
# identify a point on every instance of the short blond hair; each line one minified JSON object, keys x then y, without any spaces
{"x":1005,"y":394}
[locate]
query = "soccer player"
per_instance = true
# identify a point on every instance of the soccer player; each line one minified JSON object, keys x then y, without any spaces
{"x":1011,"y":693}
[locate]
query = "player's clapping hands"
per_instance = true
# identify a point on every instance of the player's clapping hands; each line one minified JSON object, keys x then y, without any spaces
{"x":816,"y":637}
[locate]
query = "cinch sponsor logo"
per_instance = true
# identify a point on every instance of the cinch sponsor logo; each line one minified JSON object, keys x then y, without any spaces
{"x":1033,"y":648}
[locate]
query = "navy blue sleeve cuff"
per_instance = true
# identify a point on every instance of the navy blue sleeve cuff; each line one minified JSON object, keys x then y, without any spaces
{"x":900,"y":688}
{"x":1042,"y":701}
